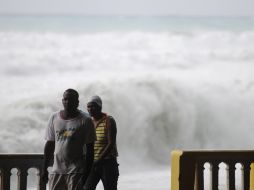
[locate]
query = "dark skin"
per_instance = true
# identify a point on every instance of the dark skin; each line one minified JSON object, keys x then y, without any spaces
{"x":95,"y":112}
{"x":70,"y":103}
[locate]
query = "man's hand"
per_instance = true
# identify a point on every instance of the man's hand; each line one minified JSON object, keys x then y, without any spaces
{"x":85,"y":176}
{"x":44,"y":176}
{"x":48,"y":156}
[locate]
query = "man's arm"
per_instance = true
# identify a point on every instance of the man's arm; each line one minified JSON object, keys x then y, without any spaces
{"x":48,"y":156}
{"x":111,"y":133}
{"x":89,"y":159}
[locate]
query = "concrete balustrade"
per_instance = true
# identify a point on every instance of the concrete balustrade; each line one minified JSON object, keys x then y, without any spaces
{"x":22,"y":162}
{"x":187,"y":169}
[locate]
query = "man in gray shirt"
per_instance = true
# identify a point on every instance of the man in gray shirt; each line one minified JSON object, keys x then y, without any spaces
{"x":70,"y":137}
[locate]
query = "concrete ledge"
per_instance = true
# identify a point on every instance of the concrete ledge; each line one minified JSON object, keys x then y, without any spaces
{"x":187,"y":168}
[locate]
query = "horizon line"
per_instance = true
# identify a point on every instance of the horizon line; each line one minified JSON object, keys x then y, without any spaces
{"x":127,"y":15}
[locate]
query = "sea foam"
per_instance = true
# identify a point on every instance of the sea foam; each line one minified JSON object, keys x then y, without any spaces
{"x":167,"y":90}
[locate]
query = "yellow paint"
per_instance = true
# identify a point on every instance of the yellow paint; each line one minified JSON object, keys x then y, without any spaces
{"x":252,"y":176}
{"x":175,"y":169}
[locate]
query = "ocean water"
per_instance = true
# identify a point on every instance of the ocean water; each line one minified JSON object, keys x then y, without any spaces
{"x":170,"y":82}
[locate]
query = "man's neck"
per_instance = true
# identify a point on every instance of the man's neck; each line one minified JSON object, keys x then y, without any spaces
{"x":65,"y":114}
{"x":98,"y":116}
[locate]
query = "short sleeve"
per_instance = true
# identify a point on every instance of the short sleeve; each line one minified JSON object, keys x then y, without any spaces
{"x":50,"y":132}
{"x":90,"y":131}
{"x":112,"y":121}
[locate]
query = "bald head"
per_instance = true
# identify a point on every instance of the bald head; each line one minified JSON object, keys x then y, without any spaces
{"x":70,"y":100}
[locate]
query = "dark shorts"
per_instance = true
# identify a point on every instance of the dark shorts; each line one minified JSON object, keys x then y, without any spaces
{"x":107,"y":171}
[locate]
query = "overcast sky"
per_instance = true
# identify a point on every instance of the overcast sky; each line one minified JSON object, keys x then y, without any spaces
{"x":130,"y":7}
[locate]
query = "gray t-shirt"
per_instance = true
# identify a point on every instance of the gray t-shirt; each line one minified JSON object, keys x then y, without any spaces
{"x":70,"y":137}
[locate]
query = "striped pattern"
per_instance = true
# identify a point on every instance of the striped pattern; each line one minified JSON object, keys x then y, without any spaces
{"x":102,"y":140}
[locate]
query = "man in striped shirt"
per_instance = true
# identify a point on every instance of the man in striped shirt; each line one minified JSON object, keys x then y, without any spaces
{"x":105,"y":167}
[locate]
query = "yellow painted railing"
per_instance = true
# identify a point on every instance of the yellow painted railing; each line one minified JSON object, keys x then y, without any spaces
{"x":187,"y":169}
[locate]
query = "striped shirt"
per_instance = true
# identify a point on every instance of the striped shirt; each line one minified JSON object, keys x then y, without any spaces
{"x":102,"y":139}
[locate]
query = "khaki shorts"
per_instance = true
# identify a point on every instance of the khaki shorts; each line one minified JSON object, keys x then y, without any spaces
{"x":66,"y":181}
